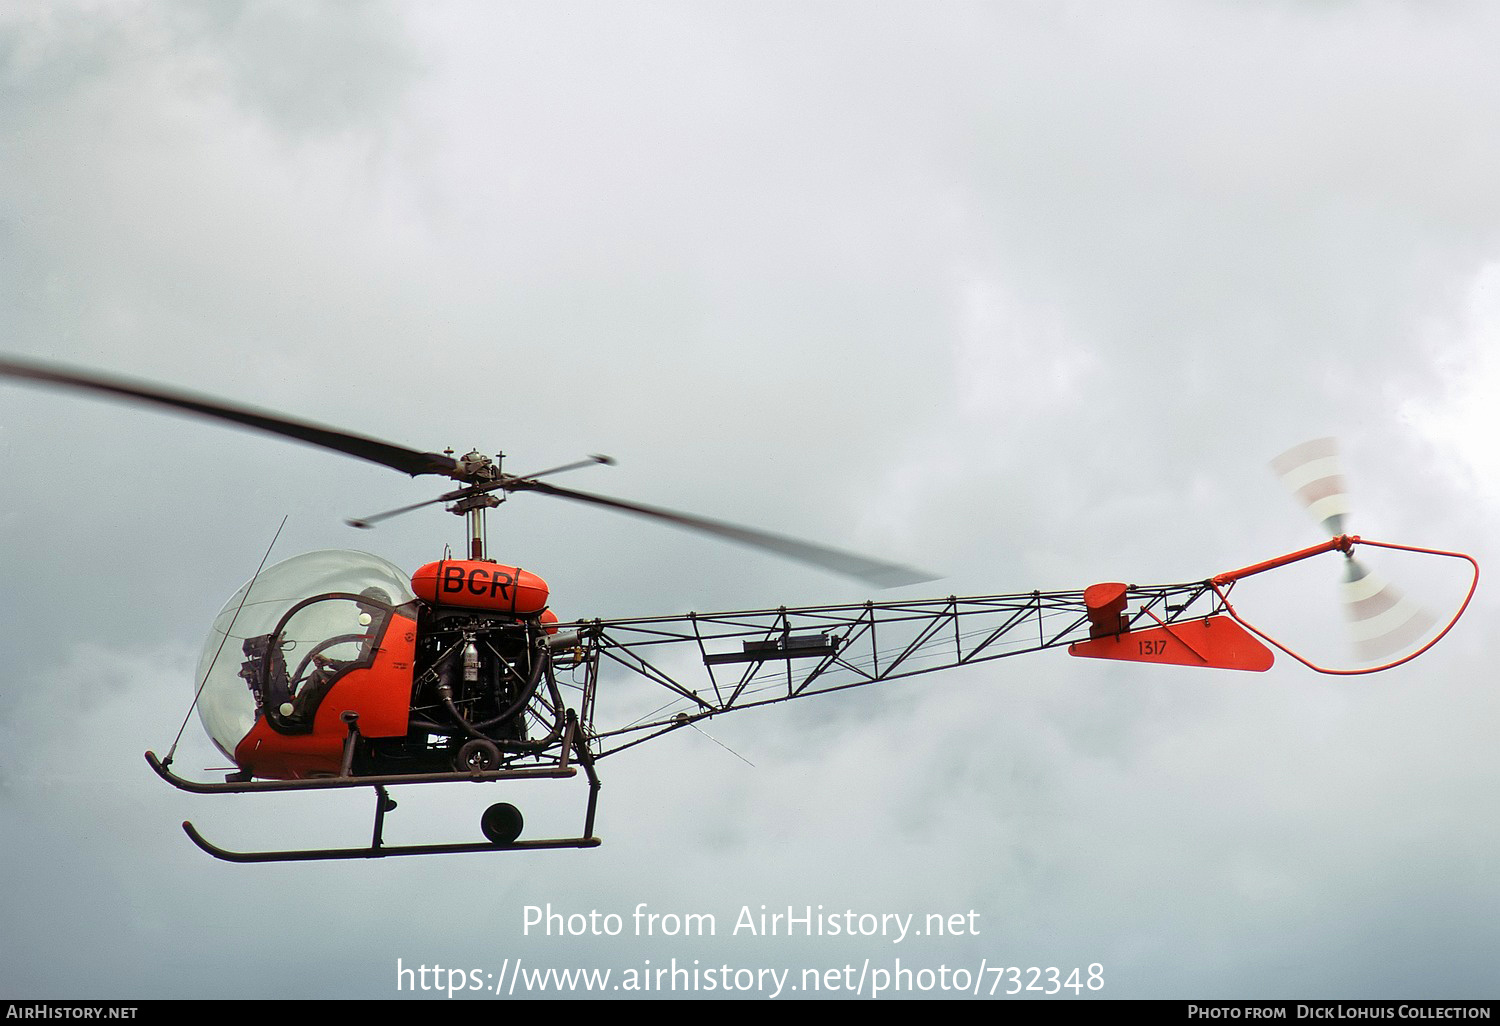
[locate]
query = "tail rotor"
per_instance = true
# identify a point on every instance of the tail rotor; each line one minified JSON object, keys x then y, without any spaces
{"x":1311,"y":472}
{"x":1383,"y":621}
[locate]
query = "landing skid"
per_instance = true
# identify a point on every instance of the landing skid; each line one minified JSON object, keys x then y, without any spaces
{"x":377,"y":850}
{"x":501,"y":822}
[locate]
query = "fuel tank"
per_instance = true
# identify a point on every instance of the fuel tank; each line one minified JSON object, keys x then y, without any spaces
{"x":479,"y":584}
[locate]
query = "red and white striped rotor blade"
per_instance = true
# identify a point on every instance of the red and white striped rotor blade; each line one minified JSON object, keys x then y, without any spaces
{"x":1312,"y":473}
{"x":1382,"y":620}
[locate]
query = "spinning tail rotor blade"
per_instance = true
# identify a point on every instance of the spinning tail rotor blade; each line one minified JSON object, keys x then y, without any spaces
{"x":1311,"y":472}
{"x":1382,"y":620}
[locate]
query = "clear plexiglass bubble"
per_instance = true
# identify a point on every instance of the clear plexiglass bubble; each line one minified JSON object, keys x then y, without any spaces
{"x":227,"y":706}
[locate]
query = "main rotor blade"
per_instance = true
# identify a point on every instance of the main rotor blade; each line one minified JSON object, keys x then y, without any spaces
{"x":409,"y":461}
{"x":871,"y":571}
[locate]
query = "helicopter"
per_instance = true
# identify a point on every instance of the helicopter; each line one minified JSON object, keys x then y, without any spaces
{"x":337,"y":669}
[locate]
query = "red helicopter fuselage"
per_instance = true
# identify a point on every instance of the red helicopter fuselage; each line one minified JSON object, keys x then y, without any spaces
{"x":459,"y":644}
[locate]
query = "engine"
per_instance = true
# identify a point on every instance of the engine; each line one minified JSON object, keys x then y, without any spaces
{"x":483,"y":690}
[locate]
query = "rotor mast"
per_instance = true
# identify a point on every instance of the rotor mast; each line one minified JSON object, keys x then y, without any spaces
{"x":478,"y":470}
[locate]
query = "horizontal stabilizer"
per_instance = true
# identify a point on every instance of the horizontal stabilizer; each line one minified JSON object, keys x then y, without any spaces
{"x":1216,"y":641}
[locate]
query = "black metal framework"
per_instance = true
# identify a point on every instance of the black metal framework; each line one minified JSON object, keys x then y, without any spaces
{"x":710,"y":664}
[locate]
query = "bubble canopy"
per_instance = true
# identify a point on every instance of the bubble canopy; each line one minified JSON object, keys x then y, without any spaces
{"x":227,"y":706}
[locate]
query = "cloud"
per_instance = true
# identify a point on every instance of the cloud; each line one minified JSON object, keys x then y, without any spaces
{"x":1028,"y":293}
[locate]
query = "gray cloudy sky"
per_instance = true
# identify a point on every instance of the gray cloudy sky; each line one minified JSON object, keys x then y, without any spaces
{"x":1027,"y":293}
